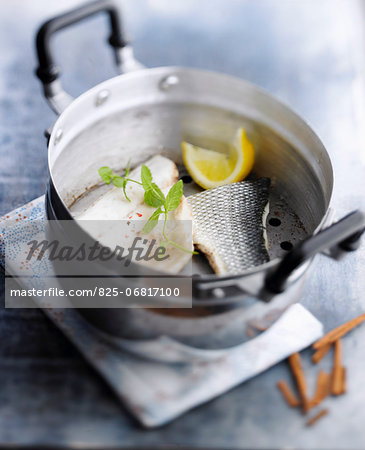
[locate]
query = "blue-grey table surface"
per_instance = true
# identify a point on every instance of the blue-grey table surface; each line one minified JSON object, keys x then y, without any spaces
{"x":310,"y":54}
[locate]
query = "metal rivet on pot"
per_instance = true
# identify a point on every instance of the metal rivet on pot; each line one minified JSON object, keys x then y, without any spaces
{"x":102,"y":97}
{"x":168,"y":82}
{"x":58,"y":136}
{"x":218,"y":292}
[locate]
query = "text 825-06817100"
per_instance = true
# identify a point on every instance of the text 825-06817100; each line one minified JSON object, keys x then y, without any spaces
{"x":142,"y":292}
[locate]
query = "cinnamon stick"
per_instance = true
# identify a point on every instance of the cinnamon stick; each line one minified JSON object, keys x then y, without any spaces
{"x":339,"y":332}
{"x":288,"y":394}
{"x":339,"y":381}
{"x":321,"y":353}
{"x":323,"y":389}
{"x":296,"y":367}
{"x":343,"y":380}
{"x":337,"y":371}
{"x":250,"y":332}
{"x":314,"y":419}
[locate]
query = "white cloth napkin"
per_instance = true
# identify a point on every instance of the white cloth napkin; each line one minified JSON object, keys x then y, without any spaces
{"x":160,"y":379}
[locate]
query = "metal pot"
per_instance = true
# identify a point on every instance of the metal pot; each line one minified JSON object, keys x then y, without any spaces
{"x":164,"y":106}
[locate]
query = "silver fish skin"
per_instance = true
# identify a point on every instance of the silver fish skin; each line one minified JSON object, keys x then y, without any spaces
{"x":229,"y":225}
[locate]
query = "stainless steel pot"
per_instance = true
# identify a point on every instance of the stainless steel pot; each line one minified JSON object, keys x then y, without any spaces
{"x":135,"y":115}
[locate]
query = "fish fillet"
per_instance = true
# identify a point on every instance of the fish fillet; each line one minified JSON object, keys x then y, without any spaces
{"x":229,"y":225}
{"x":114,"y":206}
{"x":112,"y":220}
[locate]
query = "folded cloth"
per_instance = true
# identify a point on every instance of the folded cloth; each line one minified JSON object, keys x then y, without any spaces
{"x":160,"y":379}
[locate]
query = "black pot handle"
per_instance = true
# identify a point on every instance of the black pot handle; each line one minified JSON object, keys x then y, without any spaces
{"x":47,"y":70}
{"x":339,"y":238}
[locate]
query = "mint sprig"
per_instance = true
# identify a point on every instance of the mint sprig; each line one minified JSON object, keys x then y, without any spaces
{"x":174,"y":196}
{"x":108,"y":176}
{"x":153,"y":196}
{"x":152,"y":221}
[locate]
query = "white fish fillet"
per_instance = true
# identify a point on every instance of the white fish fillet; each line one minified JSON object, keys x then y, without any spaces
{"x":114,"y":206}
{"x":122,"y":221}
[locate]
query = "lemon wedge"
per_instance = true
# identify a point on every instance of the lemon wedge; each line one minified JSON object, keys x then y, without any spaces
{"x":210,"y":169}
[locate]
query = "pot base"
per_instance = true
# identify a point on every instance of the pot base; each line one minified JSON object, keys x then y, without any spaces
{"x":217,"y":330}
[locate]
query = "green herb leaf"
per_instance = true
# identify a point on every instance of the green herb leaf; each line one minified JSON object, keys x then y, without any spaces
{"x":118,"y":181}
{"x":163,"y":244}
{"x":106,"y":174}
{"x":152,"y":221}
{"x":146,"y":177}
{"x":127,"y":169}
{"x":154,"y":196}
{"x":173,"y":198}
{"x":125,"y":192}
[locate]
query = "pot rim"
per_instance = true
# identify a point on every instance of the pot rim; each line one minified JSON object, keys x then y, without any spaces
{"x":176,"y":70}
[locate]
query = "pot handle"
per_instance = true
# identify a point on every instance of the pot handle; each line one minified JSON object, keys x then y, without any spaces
{"x":336,"y":240}
{"x":47,"y":70}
